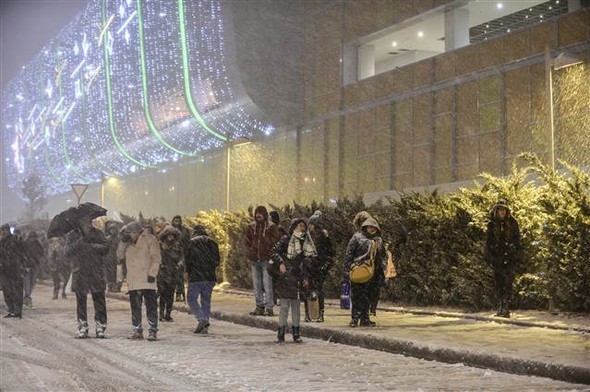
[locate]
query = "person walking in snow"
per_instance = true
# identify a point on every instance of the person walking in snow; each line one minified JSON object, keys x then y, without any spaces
{"x":289,"y":277}
{"x":141,"y":251}
{"x":202,"y":259}
{"x":185,"y":237}
{"x":35,"y":259}
{"x":12,"y":269}
{"x":172,"y":257}
{"x":85,"y":248}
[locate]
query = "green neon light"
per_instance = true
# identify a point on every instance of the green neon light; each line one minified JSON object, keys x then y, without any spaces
{"x":107,"y":70}
{"x":146,"y":105}
{"x":186,"y":77}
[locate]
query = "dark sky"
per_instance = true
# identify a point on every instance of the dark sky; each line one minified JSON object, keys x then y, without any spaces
{"x":25,"y":27}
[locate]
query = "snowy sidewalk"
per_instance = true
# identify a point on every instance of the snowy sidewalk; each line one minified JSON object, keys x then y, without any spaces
{"x":529,"y":343}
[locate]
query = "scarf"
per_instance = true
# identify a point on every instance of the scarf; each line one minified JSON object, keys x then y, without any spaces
{"x":301,"y":243}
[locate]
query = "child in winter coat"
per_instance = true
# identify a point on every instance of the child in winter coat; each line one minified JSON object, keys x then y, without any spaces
{"x":289,"y":277}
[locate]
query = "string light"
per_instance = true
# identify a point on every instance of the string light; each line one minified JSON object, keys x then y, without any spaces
{"x":127,"y":86}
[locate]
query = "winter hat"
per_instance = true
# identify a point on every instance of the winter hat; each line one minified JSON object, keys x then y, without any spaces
{"x":316,"y":219}
{"x":501,"y":204}
{"x":360,"y":218}
{"x":199,"y":230}
{"x":134,"y":227}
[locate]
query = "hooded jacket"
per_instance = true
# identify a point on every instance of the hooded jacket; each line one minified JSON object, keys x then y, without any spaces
{"x":261,"y":236}
{"x":202,"y":257}
{"x":503,"y":248}
{"x":359,"y":246}
{"x":172,"y":255}
{"x":142,"y":259}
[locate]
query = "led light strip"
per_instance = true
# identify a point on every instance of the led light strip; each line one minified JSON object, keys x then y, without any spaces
{"x":110,"y":95}
{"x":186,"y":77}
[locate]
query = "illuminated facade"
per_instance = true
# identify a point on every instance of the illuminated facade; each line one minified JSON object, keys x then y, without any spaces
{"x":129,"y":85}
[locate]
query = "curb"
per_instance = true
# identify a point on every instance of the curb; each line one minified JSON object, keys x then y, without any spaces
{"x":567,"y":373}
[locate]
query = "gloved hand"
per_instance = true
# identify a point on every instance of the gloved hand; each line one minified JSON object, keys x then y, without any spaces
{"x":151,"y":279}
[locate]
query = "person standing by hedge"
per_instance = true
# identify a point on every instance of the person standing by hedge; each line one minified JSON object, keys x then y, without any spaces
{"x":365,"y":246}
{"x":261,"y":237}
{"x":286,"y":266}
{"x":503,"y":252}
{"x":320,"y":265}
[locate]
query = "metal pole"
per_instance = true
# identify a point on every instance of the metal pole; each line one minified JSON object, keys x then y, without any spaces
{"x":102,"y":191}
{"x":227,"y":176}
{"x":551,"y":120}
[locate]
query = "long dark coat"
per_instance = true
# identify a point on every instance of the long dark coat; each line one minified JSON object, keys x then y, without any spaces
{"x":12,"y":257}
{"x":172,"y":255}
{"x":86,"y":255}
{"x":289,"y":284}
{"x":503,"y":248}
{"x":318,"y":267}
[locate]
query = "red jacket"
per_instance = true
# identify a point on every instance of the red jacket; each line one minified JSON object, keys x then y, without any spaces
{"x":261,"y":237}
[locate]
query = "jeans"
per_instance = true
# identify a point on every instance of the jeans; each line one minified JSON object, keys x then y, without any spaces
{"x":151,"y":309}
{"x":260,"y":279}
{"x":100,"y":310}
{"x":294,"y":304}
{"x":201,"y":311}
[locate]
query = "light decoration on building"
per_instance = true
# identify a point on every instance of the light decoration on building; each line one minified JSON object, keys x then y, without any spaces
{"x":127,"y":86}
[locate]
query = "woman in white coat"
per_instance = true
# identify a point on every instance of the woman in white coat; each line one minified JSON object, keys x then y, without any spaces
{"x":141,"y":251}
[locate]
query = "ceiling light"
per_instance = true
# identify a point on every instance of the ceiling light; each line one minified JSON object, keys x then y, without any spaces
{"x":499,"y":6}
{"x":394,"y":44}
{"x":420,"y":34}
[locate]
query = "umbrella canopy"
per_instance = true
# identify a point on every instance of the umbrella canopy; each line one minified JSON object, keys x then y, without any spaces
{"x":68,"y":220}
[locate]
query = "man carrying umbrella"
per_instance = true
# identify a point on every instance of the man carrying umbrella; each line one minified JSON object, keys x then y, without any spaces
{"x":85,"y":247}
{"x":12,"y":267}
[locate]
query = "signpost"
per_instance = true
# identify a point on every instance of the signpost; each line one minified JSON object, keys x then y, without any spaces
{"x":79,"y":190}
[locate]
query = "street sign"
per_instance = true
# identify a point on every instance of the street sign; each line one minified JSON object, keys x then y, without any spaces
{"x":79,"y":190}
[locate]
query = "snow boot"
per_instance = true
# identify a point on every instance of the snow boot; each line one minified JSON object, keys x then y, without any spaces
{"x":82,"y":329}
{"x":258,"y":311}
{"x":281,"y":335}
{"x":296,"y":335}
{"x":152,"y":336}
{"x":100,"y":328}
{"x":367,"y":323}
{"x":202,"y":327}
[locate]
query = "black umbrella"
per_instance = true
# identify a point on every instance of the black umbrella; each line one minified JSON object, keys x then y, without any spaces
{"x":68,"y":220}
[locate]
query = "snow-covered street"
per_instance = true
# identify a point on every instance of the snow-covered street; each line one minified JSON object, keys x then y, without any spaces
{"x":40,"y":353}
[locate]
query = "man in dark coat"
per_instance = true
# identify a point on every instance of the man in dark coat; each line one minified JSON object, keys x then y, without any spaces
{"x":58,"y":265}
{"x":185,"y":237}
{"x":111,"y":231}
{"x":261,"y":237}
{"x":85,"y":247}
{"x":35,"y":259}
{"x":172,"y":257}
{"x":202,"y":259}
{"x":12,"y":269}
{"x":502,"y":253}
